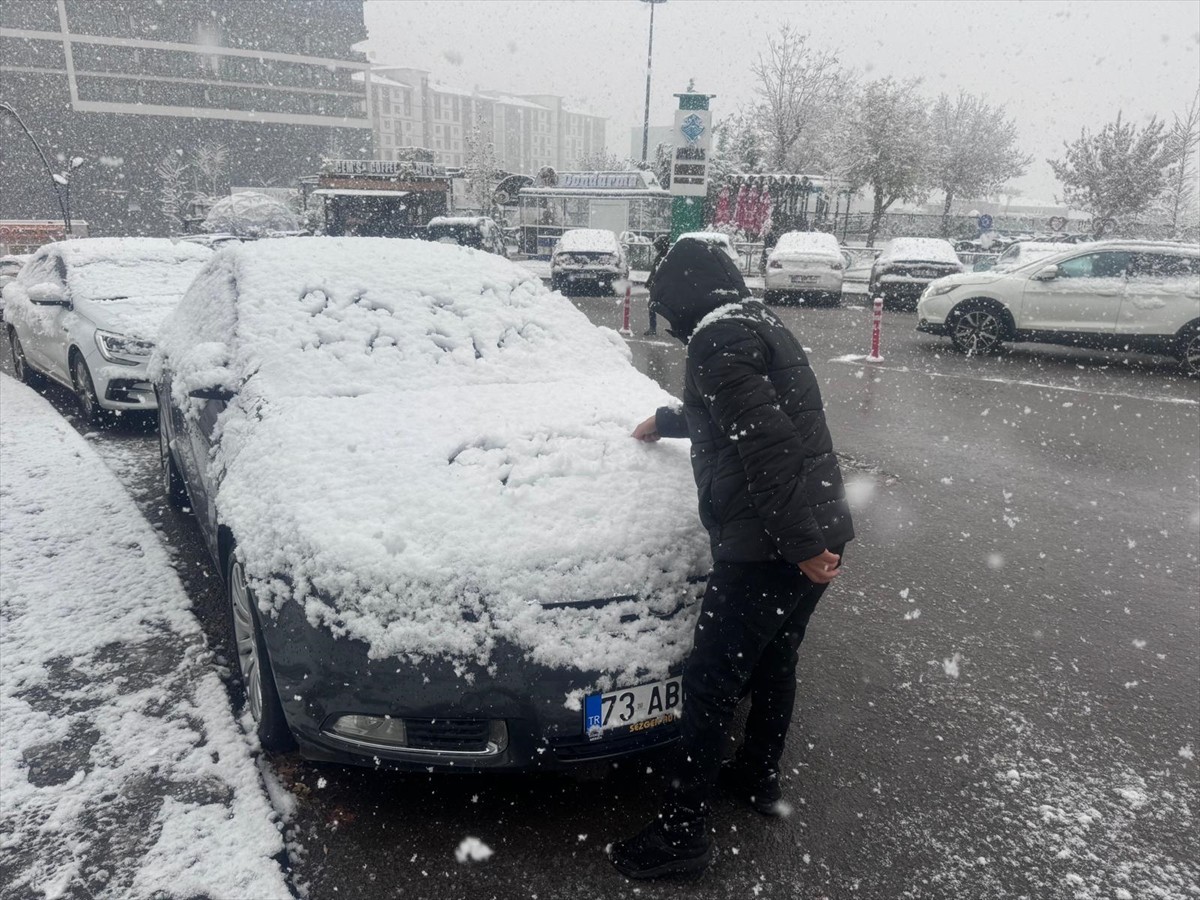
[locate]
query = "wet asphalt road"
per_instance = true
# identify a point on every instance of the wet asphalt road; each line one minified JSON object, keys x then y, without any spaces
{"x":999,"y":698}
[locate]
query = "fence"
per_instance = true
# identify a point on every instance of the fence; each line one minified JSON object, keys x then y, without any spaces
{"x":857,"y":226}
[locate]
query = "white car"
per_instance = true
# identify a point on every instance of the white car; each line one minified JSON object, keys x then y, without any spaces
{"x":805,"y":265}
{"x":1135,"y":295}
{"x":587,"y":258}
{"x":905,"y":266}
{"x":86,"y":313}
{"x":1023,"y":252}
{"x":716,"y":238}
{"x":9,"y":267}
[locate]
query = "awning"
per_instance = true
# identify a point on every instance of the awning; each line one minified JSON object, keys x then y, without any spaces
{"x":357,"y":192}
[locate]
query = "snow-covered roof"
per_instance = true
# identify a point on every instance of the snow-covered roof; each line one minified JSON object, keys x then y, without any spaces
{"x":250,"y":214}
{"x":807,"y":242}
{"x":708,"y":237}
{"x":588,"y":239}
{"x":918,"y":250}
{"x":473,"y":221}
{"x":435,"y":449}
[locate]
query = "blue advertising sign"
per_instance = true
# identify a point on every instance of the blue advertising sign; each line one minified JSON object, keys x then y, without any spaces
{"x":985,"y":222}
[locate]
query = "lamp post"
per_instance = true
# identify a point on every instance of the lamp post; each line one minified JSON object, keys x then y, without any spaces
{"x":60,"y":180}
{"x":649,"y":58}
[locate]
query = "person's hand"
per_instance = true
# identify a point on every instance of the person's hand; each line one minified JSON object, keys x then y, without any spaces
{"x":821,"y":569}
{"x":647,"y":431}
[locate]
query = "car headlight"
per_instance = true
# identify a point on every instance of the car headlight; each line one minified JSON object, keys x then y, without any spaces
{"x":936,"y":290}
{"x":121,"y":349}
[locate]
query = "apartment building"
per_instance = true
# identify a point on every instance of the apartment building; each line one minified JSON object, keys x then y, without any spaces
{"x":126,"y":85}
{"x":407,"y":108}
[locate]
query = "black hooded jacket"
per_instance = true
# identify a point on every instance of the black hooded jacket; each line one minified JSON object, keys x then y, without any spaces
{"x":770,"y":486}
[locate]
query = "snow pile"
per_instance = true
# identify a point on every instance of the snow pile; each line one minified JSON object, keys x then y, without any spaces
{"x":250,"y":214}
{"x":122,"y":771}
{"x":472,"y":849}
{"x":435,"y":451}
{"x":918,"y":250}
{"x":588,"y":240}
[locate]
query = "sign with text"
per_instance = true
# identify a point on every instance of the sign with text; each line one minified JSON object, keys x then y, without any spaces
{"x":612,"y":181}
{"x":378,"y":167}
{"x":693,"y":139}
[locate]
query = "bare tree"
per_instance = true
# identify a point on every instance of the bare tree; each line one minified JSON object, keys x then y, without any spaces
{"x":1117,"y":172}
{"x":173,"y":194}
{"x":209,"y":164}
{"x":888,"y":146}
{"x":479,"y":167}
{"x":799,"y":88}
{"x":974,"y":150}
{"x":603,"y":161}
{"x":1180,"y":152}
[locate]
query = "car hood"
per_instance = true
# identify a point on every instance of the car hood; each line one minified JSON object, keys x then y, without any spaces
{"x":969,"y":278}
{"x":469,"y":514}
{"x":138,"y":316}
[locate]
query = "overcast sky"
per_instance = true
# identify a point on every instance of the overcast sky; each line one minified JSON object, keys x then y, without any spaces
{"x":1058,"y":66}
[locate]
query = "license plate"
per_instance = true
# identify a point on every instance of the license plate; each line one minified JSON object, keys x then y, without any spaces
{"x":924,"y":273}
{"x":804,"y":279}
{"x":633,"y":709}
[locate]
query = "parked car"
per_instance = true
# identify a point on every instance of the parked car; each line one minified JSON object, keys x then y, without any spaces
{"x":9,"y":267}
{"x":587,"y":259}
{"x":1020,"y":253}
{"x":86,"y":314}
{"x":412,"y":467}
{"x":805,"y":265}
{"x":905,"y":266}
{"x":479,"y":232}
{"x":716,"y":238}
{"x":1132,"y":295}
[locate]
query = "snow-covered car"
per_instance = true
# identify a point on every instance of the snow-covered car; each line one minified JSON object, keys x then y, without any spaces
{"x":1133,"y":295}
{"x":905,"y":266}
{"x":412,"y":464}
{"x":9,"y":267}
{"x":479,"y":232}
{"x":805,"y":265}
{"x":587,"y":259}
{"x":716,"y":238}
{"x":1021,"y":253}
{"x":86,"y":314}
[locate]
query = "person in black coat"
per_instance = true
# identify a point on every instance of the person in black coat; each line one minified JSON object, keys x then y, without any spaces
{"x":772,"y":500}
{"x":661,"y":245}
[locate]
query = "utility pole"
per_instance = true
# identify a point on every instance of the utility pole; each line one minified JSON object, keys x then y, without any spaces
{"x":649,"y":59}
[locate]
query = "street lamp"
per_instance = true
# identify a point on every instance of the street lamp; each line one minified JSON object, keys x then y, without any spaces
{"x":649,"y":57}
{"x":59,"y":180}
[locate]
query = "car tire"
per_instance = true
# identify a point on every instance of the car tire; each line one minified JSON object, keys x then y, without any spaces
{"x":85,"y":391}
{"x":254,"y":665}
{"x":21,"y":368}
{"x":1189,"y":350}
{"x":172,"y":481}
{"x":977,"y":329}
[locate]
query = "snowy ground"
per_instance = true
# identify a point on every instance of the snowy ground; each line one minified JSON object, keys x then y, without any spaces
{"x":122,"y":771}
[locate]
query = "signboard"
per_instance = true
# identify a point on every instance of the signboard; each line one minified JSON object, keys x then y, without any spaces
{"x":1057,"y":223}
{"x":26,"y":235}
{"x":985,"y":222}
{"x":377,"y":167}
{"x":693,"y":140}
{"x":613,"y":181}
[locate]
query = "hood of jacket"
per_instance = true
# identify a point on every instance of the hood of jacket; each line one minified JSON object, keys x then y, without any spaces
{"x":693,"y":279}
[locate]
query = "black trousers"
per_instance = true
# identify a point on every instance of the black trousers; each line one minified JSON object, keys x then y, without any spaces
{"x":752,"y":620}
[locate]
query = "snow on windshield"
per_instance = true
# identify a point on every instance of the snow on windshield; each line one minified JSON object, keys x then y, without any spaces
{"x":807,"y":242}
{"x":435,"y":449}
{"x":588,"y":239}
{"x":918,"y":250}
{"x":111,"y":268}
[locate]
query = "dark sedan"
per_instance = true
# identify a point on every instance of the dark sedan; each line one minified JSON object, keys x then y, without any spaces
{"x":412,"y":464}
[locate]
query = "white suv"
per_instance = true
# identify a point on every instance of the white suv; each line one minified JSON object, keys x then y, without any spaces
{"x":1132,"y":295}
{"x":86,"y":312}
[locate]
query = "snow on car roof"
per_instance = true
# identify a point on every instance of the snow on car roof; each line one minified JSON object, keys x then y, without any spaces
{"x":709,"y":237}
{"x":588,"y":239}
{"x":435,"y":449}
{"x":919,"y":249}
{"x":86,"y":251}
{"x":801,"y":241}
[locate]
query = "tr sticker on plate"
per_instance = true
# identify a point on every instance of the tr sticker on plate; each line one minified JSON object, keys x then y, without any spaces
{"x":633,"y":709}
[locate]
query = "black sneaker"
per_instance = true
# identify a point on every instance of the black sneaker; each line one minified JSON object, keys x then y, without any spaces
{"x":661,"y":851}
{"x":760,"y":789}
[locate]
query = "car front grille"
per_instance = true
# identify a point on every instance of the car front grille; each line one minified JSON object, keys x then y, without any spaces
{"x":455,"y":735}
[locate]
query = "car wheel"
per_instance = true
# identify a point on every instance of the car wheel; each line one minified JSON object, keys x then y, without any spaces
{"x":21,"y":367}
{"x":172,"y":481}
{"x":85,"y":391}
{"x":977,"y":331}
{"x":1189,"y":351}
{"x":258,"y":680}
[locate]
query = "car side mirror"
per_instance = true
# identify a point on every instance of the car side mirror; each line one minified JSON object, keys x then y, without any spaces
{"x":1047,"y":274}
{"x":47,"y":293}
{"x":224,"y":395}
